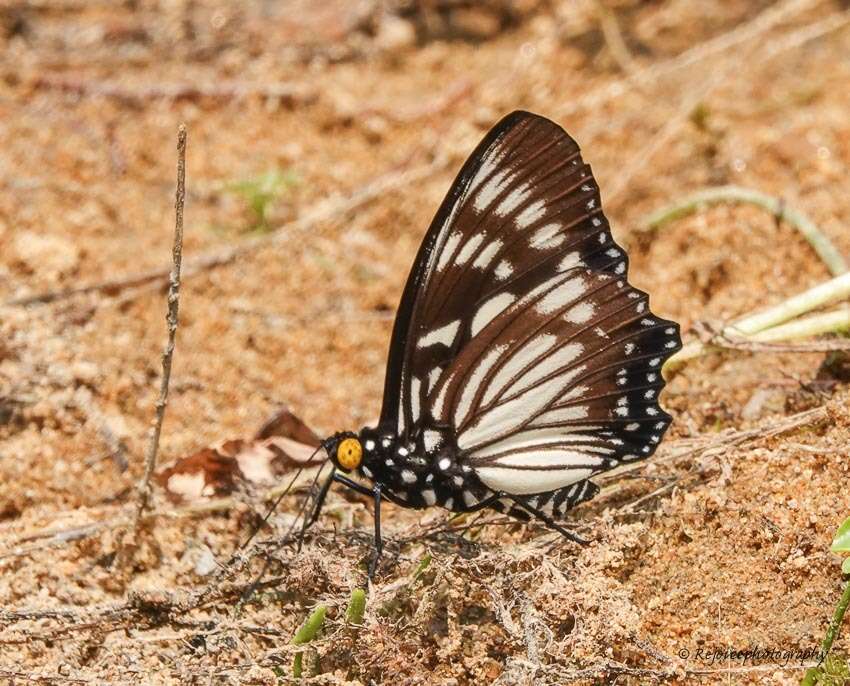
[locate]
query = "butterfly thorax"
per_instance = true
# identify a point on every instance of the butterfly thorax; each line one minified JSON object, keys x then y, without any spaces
{"x":412,"y":477}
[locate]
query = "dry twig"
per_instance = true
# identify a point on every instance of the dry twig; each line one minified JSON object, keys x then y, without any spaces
{"x":171,"y":318}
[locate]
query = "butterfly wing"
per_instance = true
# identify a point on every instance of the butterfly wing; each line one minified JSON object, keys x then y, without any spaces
{"x":524,"y":200}
{"x":517,"y":330}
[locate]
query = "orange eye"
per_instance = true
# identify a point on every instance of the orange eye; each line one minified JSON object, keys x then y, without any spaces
{"x":349,"y":453}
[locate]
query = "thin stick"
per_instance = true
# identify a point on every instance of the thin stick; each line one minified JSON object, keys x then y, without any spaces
{"x":695,"y":202}
{"x":171,"y":318}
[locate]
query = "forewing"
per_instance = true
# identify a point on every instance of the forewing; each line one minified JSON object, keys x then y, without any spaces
{"x":523,"y":209}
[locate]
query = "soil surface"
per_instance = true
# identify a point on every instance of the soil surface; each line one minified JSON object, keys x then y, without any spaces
{"x":719,"y":543}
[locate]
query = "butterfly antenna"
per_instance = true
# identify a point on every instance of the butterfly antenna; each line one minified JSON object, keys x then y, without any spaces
{"x":312,"y":497}
{"x":276,"y":502}
{"x":249,"y":590}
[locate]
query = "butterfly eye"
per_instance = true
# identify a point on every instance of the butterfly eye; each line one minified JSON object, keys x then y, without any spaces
{"x":349,"y":453}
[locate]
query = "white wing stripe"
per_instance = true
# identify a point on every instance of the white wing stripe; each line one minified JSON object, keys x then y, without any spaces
{"x":525,"y":481}
{"x":415,"y":387}
{"x":549,"y":458}
{"x":548,"y":237}
{"x":564,"y":294}
{"x":448,"y":250}
{"x":474,"y":381}
{"x":507,"y":416}
{"x":485,"y":257}
{"x":497,"y":183}
{"x":490,"y":310}
{"x":531,"y":214}
{"x":469,"y":248}
{"x":445,"y":335}
{"x":521,"y":359}
{"x":514,"y":199}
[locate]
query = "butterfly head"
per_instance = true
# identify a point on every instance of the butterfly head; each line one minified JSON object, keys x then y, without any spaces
{"x":345,"y":450}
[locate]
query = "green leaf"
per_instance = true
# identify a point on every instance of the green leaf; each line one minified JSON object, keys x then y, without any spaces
{"x":845,"y":566}
{"x":841,"y":542}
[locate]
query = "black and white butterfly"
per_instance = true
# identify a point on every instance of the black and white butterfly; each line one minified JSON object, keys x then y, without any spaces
{"x":522,"y":362}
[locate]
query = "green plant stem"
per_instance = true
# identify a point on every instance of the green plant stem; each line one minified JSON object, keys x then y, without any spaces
{"x":356,"y":607}
{"x":297,"y":664}
{"x":420,"y":569}
{"x":802,"y":303}
{"x":311,"y":627}
{"x":837,"y":618}
{"x":825,"y":249}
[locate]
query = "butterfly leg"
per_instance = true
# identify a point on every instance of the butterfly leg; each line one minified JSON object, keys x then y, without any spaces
{"x":374,"y":492}
{"x":547,"y":520}
{"x":379,"y":542}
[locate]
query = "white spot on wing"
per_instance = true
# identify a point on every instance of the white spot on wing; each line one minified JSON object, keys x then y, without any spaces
{"x":547,"y":237}
{"x":429,"y":497}
{"x":579,"y":314}
{"x":487,"y":254}
{"x":514,"y":199}
{"x":503,"y":270}
{"x":445,"y":335}
{"x":432,"y":440}
{"x":469,"y":498}
{"x":530,"y":214}
{"x":567,"y":292}
{"x":570,"y":261}
{"x":408,"y":476}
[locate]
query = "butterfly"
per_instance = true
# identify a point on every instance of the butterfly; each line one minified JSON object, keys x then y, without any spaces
{"x":522,"y":362}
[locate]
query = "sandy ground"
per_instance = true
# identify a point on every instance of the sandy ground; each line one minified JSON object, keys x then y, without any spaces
{"x":721,"y":547}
